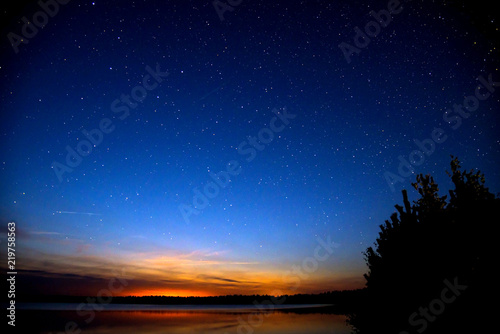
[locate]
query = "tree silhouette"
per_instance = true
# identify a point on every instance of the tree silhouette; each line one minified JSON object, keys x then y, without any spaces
{"x":431,"y":268}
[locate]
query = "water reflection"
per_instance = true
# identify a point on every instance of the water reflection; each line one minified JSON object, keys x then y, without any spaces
{"x":213,"y":322}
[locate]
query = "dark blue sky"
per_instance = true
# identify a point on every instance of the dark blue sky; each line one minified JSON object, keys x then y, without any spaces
{"x":174,"y":91}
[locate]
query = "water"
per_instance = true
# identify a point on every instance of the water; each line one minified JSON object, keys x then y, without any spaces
{"x":149,"y":319}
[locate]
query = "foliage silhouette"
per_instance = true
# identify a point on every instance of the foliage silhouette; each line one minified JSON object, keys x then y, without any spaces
{"x":423,"y":246}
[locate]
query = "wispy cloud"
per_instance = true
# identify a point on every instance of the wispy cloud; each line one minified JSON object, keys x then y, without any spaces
{"x":44,"y":233}
{"x":78,"y":213}
{"x":215,"y":278}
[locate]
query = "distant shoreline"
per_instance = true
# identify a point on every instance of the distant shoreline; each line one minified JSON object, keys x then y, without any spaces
{"x":338,"y":302}
{"x":174,"y":308}
{"x":331,"y":297}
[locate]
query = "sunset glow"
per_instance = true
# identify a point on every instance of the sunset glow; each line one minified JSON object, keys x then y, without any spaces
{"x":166,"y":148}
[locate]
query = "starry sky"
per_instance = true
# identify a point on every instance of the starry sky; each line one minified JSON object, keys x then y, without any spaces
{"x":203,"y":148}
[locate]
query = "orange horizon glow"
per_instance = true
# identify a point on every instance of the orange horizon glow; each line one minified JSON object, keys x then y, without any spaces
{"x":163,"y":293}
{"x":173,"y":273}
{"x":307,"y":289}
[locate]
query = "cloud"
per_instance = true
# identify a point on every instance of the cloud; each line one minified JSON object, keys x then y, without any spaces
{"x":78,"y":213}
{"x":44,"y":233}
{"x":215,"y":278}
{"x":167,"y":272}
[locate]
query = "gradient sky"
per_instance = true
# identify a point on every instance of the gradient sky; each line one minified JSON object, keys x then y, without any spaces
{"x":322,"y":173}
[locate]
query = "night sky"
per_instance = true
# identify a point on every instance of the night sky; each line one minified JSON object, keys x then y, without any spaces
{"x":204,"y":150}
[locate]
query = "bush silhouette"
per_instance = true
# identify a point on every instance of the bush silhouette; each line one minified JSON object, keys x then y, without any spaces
{"x":425,"y":248}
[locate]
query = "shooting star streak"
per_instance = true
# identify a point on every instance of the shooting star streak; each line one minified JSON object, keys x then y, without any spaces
{"x":78,"y":213}
{"x":211,"y":92}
